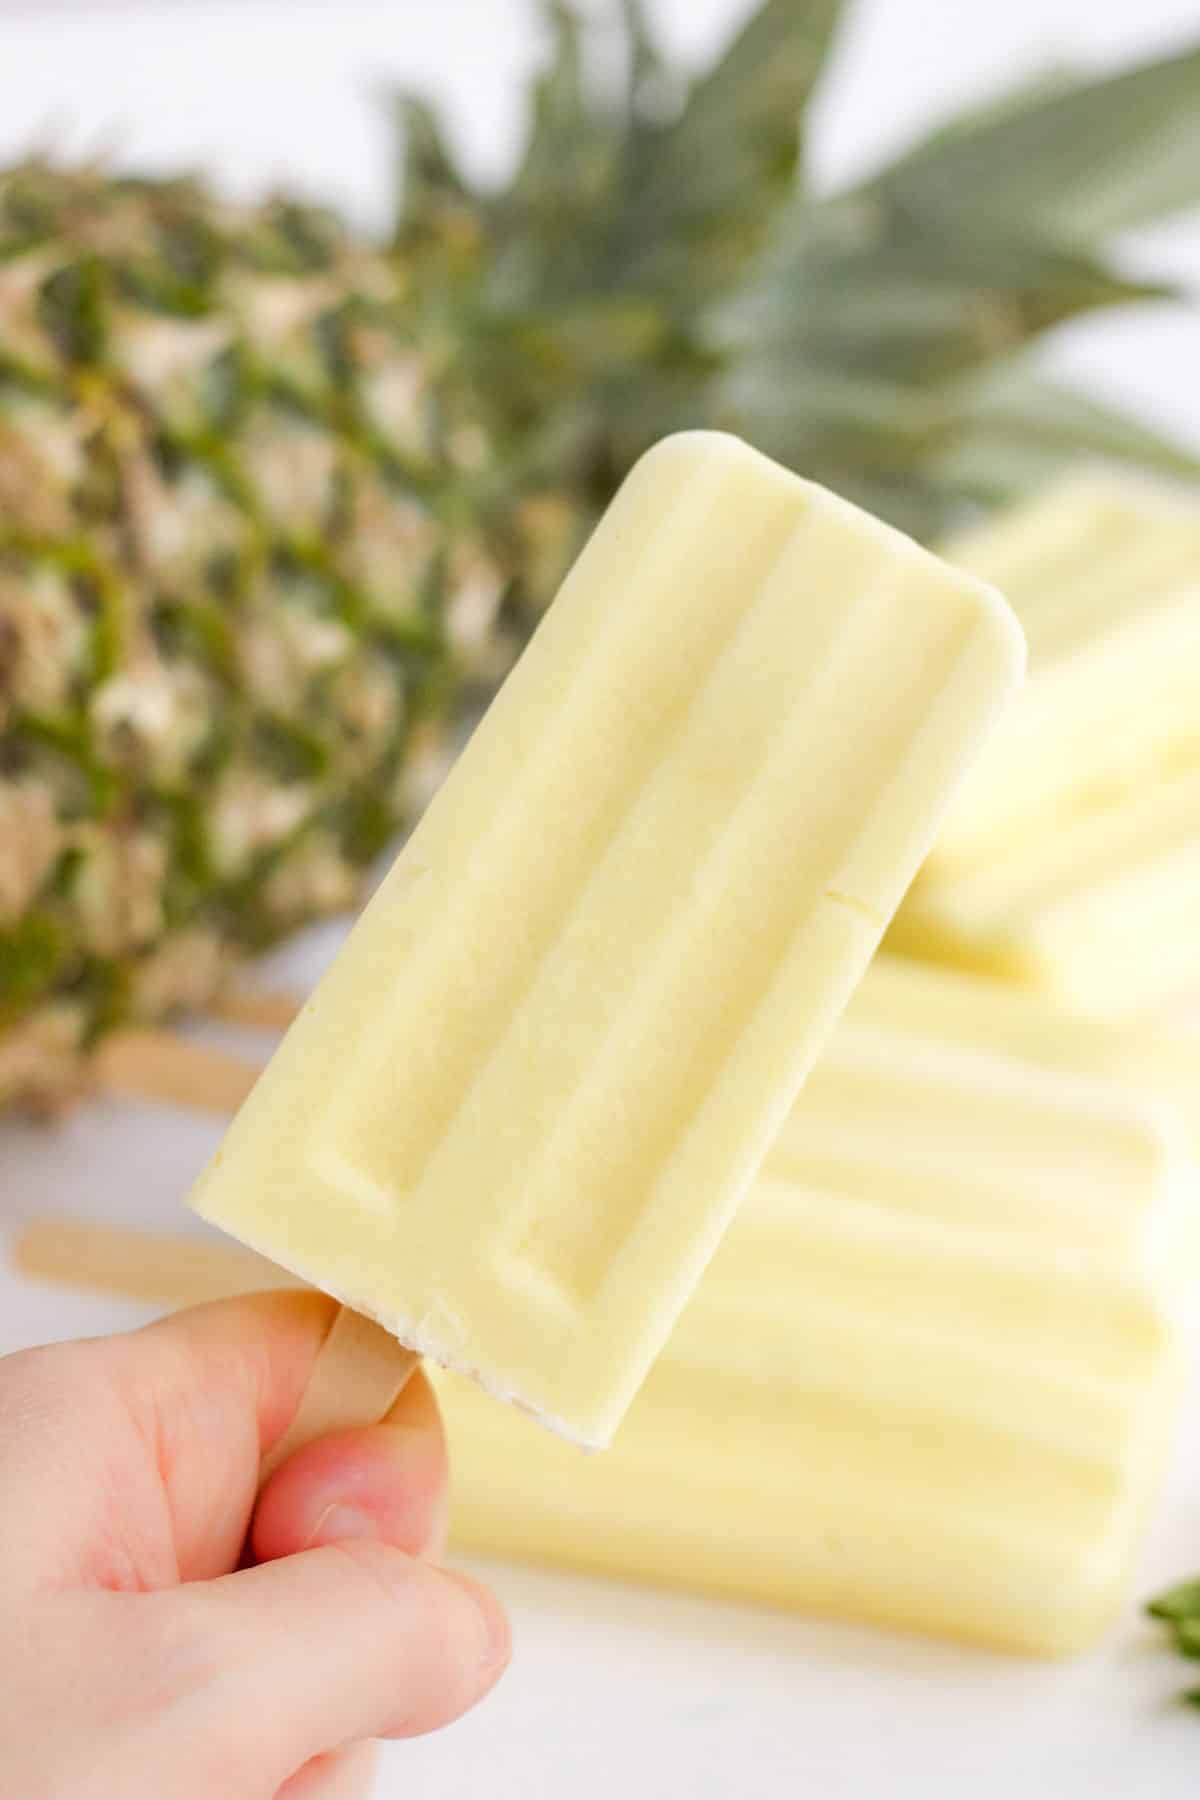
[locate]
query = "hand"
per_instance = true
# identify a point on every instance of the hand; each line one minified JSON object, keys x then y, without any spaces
{"x":162,"y":1637}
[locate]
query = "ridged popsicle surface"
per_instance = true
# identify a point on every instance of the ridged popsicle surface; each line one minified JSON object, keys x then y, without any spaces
{"x":1160,"y":1059}
{"x":1070,"y":860}
{"x":518,"y":1113}
{"x":1104,"y":574}
{"x":1100,"y":910}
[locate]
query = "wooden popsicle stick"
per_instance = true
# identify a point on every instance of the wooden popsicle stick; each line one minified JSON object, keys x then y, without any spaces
{"x":160,"y":1065}
{"x":360,"y":1371}
{"x":147,"y":1064}
{"x":141,"y":1265}
{"x":261,"y":1009}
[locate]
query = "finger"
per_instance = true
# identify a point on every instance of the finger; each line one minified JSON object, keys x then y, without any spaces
{"x":212,"y":1389}
{"x":132,"y":1461}
{"x":223,"y":1385}
{"x":387,"y":1481}
{"x":345,"y":1775}
{"x":308,"y":1654}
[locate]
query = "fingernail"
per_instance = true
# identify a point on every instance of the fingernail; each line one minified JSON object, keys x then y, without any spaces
{"x":339,"y":1522}
{"x":496,"y":1645}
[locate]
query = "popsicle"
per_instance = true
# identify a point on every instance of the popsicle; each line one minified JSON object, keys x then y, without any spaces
{"x":927,"y":1380}
{"x":1104,"y":573}
{"x":1071,"y":859}
{"x":518,"y":1113}
{"x":1100,"y":910}
{"x":1159,"y":1060}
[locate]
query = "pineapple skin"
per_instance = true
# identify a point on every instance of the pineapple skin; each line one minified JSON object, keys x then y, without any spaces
{"x":241,"y":581}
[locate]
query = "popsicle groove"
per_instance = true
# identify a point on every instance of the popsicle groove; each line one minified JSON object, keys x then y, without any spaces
{"x":1068,"y":864}
{"x":1135,"y":577}
{"x":493,"y":981}
{"x":860,"y":1128}
{"x":932,"y":1188}
{"x":1129,"y":695}
{"x":859,"y":1253}
{"x":734,"y":922}
{"x":862,"y":1439}
{"x":844,"y":1351}
{"x":635,"y":904}
{"x":1082,"y":525}
{"x":1087,"y":856}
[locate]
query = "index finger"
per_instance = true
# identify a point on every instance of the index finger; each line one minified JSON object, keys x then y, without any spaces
{"x":132,"y":1461}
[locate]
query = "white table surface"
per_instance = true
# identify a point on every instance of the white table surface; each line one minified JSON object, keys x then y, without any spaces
{"x":617,"y":1689}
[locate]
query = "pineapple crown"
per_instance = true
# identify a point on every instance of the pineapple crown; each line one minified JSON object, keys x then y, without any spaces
{"x":660,"y":259}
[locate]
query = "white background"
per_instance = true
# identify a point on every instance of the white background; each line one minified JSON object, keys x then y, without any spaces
{"x":617,"y":1689}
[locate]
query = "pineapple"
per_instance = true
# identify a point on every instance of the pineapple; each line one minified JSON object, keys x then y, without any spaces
{"x":277,"y":506}
{"x":237,"y":577}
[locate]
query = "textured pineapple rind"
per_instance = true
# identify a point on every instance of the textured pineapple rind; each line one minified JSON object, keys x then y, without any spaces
{"x":241,"y":581}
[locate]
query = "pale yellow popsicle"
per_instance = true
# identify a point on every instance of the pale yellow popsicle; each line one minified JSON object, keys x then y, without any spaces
{"x":928,"y":1380}
{"x":1160,"y":1060}
{"x":1103,"y":572}
{"x":1070,"y":861}
{"x":517,"y":1115}
{"x":1098,"y":910}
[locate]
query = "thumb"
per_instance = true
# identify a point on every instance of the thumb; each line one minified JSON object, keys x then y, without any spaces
{"x":354,"y":1640}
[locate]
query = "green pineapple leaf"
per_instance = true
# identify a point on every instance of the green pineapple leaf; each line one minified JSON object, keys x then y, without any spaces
{"x":855,"y":284}
{"x":1179,"y":1602}
{"x":1081,"y":158}
{"x":1017,"y":426}
{"x":646,"y":63}
{"x":1179,"y":1611}
{"x":622,"y":194}
{"x":544,"y":231}
{"x":684,"y":229}
{"x":875,"y":345}
{"x":430,"y":182}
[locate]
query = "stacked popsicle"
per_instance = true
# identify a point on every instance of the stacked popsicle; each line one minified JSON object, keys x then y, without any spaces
{"x":1071,"y":860}
{"x":928,"y":1380}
